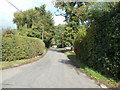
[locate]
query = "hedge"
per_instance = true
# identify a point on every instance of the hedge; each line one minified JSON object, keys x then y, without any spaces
{"x":20,"y":47}
{"x":100,"y":48}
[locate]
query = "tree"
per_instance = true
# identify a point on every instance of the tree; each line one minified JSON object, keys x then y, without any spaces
{"x":78,"y":14}
{"x":35,"y":22}
{"x":75,"y":15}
{"x":59,"y":38}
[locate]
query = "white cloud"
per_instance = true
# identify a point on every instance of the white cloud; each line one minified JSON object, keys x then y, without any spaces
{"x":59,"y":20}
{"x":6,"y":14}
{"x":7,"y":10}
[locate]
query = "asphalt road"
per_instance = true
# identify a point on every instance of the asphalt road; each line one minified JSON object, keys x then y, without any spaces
{"x":54,"y":70}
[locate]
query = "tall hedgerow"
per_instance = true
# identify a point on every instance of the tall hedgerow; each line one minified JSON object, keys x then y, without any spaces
{"x":100,"y":48}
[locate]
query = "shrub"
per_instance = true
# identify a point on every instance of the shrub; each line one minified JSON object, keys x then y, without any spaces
{"x":79,"y":38}
{"x":100,"y":48}
{"x":9,"y":32}
{"x":19,"y":47}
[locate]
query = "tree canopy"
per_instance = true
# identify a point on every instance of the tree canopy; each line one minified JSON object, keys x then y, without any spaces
{"x":36,"y":22}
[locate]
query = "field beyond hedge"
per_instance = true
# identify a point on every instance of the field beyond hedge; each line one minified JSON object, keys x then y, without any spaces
{"x":20,"y":47}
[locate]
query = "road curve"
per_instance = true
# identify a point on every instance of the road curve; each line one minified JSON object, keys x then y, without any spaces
{"x":54,"y":70}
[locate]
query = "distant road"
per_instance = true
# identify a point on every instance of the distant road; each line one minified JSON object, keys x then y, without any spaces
{"x":54,"y":70}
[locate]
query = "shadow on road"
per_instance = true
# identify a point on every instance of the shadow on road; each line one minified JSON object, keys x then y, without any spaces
{"x":77,"y":63}
{"x":68,"y":62}
{"x":65,"y":61}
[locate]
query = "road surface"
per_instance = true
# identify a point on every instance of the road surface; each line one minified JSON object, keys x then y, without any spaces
{"x":54,"y":70}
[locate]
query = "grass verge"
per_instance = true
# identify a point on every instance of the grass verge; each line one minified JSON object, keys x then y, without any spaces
{"x":16,"y":63}
{"x":92,"y":73}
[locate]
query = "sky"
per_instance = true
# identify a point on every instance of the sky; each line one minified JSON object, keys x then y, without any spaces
{"x":7,"y":11}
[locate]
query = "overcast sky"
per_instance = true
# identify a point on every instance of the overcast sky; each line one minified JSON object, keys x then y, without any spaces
{"x":7,"y":10}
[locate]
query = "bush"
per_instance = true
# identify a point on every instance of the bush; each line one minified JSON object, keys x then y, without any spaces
{"x":100,"y":48}
{"x":79,"y":38}
{"x":19,"y":47}
{"x":9,"y":32}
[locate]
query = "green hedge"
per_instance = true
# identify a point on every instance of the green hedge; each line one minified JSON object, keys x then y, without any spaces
{"x":19,"y":47}
{"x":100,"y":48}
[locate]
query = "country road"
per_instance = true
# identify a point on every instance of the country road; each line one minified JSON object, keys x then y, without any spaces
{"x":54,"y":70}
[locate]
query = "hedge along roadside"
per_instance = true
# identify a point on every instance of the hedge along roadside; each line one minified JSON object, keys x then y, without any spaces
{"x":20,"y":47}
{"x":100,"y":47}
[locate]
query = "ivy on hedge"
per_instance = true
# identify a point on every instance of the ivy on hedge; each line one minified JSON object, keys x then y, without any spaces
{"x":20,"y":47}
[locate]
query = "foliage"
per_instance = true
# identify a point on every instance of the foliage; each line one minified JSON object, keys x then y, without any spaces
{"x":79,"y":38}
{"x":35,"y":23}
{"x":100,"y":48}
{"x":63,"y":36}
{"x":20,"y":47}
{"x":59,"y":38}
{"x":75,"y":14}
{"x":78,"y":14}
